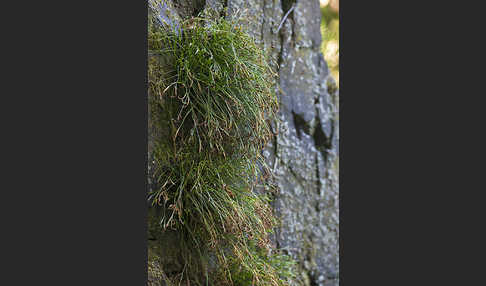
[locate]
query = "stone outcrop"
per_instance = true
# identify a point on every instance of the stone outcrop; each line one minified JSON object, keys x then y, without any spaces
{"x":304,"y":151}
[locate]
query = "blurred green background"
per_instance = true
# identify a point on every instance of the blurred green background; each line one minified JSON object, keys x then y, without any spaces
{"x":330,"y":35}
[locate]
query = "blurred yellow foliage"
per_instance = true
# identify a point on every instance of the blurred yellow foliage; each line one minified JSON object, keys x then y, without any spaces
{"x":330,"y":35}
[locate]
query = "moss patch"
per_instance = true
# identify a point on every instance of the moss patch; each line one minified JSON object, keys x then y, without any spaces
{"x":211,"y":93}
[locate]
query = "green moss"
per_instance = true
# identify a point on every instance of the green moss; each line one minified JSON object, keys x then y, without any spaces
{"x":282,"y":264}
{"x":211,"y":95}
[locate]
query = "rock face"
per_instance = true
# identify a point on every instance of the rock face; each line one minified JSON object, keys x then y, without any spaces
{"x":304,"y":151}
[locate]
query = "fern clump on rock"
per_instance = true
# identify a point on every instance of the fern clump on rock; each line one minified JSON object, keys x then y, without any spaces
{"x":211,"y":98}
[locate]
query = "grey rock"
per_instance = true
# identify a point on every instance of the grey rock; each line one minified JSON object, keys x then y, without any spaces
{"x":304,"y":151}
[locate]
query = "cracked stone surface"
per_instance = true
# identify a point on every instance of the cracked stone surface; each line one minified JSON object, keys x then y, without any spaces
{"x":304,"y":151}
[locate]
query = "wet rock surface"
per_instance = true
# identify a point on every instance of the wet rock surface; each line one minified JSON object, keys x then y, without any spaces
{"x":304,"y":152}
